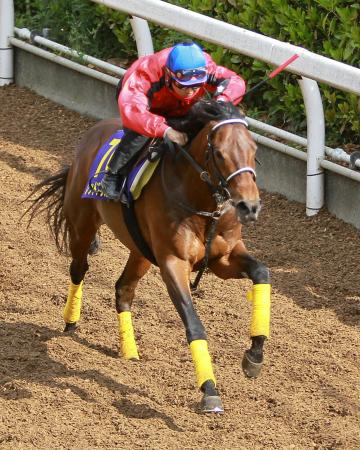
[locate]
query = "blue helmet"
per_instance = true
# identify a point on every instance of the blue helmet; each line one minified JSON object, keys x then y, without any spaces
{"x":187,"y":64}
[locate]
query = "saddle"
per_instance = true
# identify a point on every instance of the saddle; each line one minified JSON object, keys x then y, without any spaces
{"x":137,"y":172}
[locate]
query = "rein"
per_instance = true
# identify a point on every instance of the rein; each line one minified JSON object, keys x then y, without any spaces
{"x":220,"y":192}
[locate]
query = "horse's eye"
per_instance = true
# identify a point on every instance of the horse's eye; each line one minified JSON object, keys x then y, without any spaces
{"x":218,"y":155}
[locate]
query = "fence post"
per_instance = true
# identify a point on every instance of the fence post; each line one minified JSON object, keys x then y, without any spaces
{"x":315,"y":145}
{"x":6,"y":50}
{"x":142,"y":35}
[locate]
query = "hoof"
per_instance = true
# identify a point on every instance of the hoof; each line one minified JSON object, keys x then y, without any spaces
{"x":70,"y":327}
{"x":211,"y":404}
{"x":250,"y":368}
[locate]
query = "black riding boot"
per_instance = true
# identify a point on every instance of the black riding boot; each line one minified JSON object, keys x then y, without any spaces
{"x":130,"y":145}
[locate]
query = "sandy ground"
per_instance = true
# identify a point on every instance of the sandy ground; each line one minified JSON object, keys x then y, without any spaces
{"x":73,"y":392}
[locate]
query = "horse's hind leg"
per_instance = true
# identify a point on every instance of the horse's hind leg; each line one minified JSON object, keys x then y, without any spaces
{"x":82,"y":233}
{"x":136,"y":267}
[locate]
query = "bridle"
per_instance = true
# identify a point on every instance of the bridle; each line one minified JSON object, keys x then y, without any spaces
{"x":219,"y":190}
{"x":223,"y":184}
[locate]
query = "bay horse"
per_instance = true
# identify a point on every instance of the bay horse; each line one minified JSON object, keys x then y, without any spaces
{"x":192,"y":210}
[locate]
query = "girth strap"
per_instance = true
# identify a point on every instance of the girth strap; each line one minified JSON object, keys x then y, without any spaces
{"x":135,"y":232}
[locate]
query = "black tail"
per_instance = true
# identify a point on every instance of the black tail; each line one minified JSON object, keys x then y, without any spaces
{"x":51,"y":202}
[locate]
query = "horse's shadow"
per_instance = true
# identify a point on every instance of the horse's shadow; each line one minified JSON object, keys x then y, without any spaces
{"x":303,"y":266}
{"x":312,"y":296}
{"x":310,"y":289}
{"x":20,"y":164}
{"x":24,"y":356}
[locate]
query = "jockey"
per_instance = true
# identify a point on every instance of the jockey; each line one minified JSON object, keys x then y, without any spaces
{"x":164,"y":84}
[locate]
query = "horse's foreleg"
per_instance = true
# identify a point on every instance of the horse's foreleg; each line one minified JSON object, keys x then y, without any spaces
{"x":136,"y":267}
{"x":235,"y":266}
{"x":260,"y":318}
{"x":175,"y":273}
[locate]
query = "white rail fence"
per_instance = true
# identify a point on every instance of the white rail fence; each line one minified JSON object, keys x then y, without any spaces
{"x":311,"y":67}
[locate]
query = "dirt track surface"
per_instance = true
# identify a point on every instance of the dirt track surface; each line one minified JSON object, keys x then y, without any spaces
{"x":73,"y":392}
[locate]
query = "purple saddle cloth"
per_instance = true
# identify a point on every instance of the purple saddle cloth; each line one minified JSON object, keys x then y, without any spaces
{"x":135,"y":181}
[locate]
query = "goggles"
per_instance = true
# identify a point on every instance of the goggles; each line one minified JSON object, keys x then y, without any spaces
{"x":189,"y":77}
{"x":186,"y":86}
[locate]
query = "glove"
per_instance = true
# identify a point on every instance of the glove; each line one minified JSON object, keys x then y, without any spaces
{"x":176,"y":136}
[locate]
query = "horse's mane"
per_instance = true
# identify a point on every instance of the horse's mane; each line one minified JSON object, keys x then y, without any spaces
{"x":203,"y":112}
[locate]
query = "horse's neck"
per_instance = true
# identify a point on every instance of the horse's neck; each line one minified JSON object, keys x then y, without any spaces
{"x":183,"y":182}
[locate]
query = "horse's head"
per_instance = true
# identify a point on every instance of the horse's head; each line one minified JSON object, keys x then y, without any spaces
{"x":231,"y":161}
{"x":229,"y":154}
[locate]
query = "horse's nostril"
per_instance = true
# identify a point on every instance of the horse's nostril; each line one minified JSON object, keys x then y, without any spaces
{"x":243,"y":207}
{"x":248,"y":209}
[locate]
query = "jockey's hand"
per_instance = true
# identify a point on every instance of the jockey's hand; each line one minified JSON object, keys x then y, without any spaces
{"x":176,"y":136}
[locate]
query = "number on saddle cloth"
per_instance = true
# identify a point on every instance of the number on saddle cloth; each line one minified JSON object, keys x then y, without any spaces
{"x":100,"y":165}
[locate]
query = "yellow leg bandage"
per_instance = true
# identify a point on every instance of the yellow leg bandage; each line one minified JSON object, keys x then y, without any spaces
{"x":202,"y":361}
{"x":260,"y":319}
{"x":127,"y":339}
{"x":73,"y":303}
